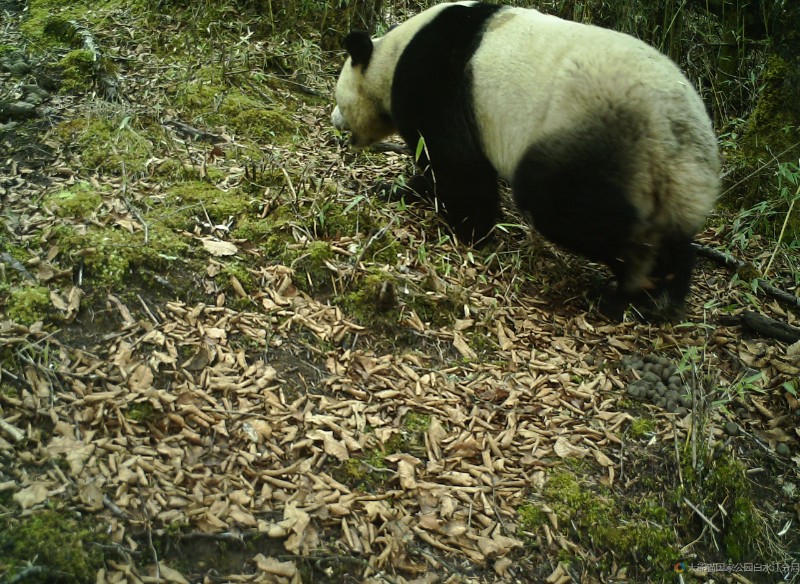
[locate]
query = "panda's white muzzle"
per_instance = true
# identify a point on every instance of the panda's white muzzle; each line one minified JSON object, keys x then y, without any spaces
{"x":338,"y":120}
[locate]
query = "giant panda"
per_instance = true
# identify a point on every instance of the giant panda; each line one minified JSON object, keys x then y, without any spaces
{"x":607,"y":147}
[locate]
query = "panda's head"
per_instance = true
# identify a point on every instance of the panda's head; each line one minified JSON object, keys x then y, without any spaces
{"x":363,"y":91}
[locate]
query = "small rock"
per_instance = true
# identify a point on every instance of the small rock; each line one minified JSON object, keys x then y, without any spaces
{"x":731,"y":428}
{"x":668,"y":373}
{"x":30,"y":88}
{"x":661,"y":402}
{"x":672,"y":395}
{"x":17,"y":110}
{"x":671,"y":406}
{"x":686,"y":401}
{"x":633,"y":391}
{"x":32,"y":99}
{"x":657,"y":368}
{"x":589,"y":360}
{"x":783,"y":449}
{"x":674,"y":380}
{"x":681,"y":411}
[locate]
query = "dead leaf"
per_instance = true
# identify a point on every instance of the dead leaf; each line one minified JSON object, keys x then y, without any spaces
{"x":601,"y":458}
{"x":91,"y":496}
{"x":170,"y":575}
{"x":141,"y":378}
{"x":220,"y":248}
{"x":275,"y":567}
{"x":199,"y":360}
{"x":564,"y":449}
{"x":405,"y":471}
{"x":502,"y":566}
{"x":499,"y":545}
{"x":462,"y":347}
{"x":30,"y":496}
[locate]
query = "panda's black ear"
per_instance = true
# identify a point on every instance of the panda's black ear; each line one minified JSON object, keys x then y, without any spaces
{"x":359,"y":47}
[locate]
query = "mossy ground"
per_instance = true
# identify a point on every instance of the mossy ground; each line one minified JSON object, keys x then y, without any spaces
{"x":28,"y":304}
{"x":63,"y":547}
{"x":111,"y":256}
{"x":722,"y":482}
{"x":760,"y":145}
{"x":146,"y":195}
{"x":592,"y":513}
{"x":78,"y":202}
{"x":109,"y":142}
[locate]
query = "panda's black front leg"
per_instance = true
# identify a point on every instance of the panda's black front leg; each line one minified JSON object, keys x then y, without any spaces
{"x":464,"y":193}
{"x":471,"y":204}
{"x":416,"y":189}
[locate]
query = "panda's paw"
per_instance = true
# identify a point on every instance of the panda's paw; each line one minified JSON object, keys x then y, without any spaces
{"x":613,"y":306}
{"x":385,"y":190}
{"x":415,"y":189}
{"x":642,"y":307}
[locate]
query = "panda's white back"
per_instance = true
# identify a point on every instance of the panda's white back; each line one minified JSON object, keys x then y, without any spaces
{"x":536,"y":74}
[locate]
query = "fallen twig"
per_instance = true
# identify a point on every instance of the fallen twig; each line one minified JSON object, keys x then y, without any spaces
{"x":701,"y":515}
{"x":763,"y":325}
{"x":745,"y":268}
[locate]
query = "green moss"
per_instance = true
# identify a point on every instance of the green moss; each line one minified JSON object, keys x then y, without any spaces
{"x":311,"y":273}
{"x":251,"y":118}
{"x":79,"y":201}
{"x":54,"y":540}
{"x":197,"y":198}
{"x":641,"y":427}
{"x":438,"y":309}
{"x":28,"y":304}
{"x":719,"y":481}
{"x":47,"y":17}
{"x":334,"y":219}
{"x":77,"y":71}
{"x":530,"y":518}
{"x":253,"y":230}
{"x":110,"y":255}
{"x":109,"y":145}
{"x":239,"y":271}
{"x":364,"y":472}
{"x":206,"y":99}
{"x":635,"y":531}
{"x":140,"y":412}
{"x":771,"y":128}
{"x":728,"y":486}
{"x":407,"y":441}
{"x":363,"y":304}
{"x":416,"y":422}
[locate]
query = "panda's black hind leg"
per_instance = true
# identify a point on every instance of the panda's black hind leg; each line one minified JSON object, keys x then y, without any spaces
{"x":669,"y":277}
{"x":672,"y":275}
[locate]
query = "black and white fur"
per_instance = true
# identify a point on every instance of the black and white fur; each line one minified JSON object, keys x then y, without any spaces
{"x":608,"y":149}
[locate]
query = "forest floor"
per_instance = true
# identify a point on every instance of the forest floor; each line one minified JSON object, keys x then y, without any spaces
{"x":222,"y":359}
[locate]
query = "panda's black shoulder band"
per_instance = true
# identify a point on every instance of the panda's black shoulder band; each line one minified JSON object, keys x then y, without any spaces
{"x":359,"y":47}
